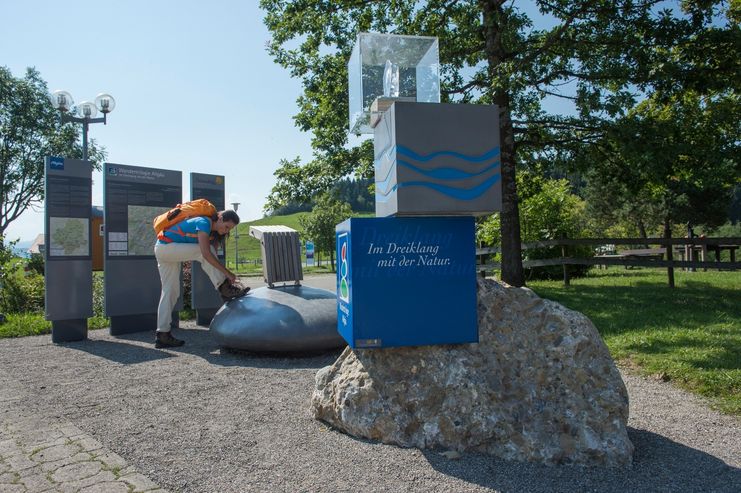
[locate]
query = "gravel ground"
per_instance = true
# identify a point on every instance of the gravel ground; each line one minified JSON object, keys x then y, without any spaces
{"x":205,"y":419}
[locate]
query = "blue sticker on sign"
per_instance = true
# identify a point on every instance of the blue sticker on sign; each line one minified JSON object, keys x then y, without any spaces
{"x":56,"y":163}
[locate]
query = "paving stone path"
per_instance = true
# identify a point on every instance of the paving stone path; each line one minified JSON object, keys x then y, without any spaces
{"x":39,"y":455}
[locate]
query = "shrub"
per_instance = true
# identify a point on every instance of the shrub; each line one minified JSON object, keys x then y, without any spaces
{"x":98,"y":295}
{"x":727,"y":230}
{"x":187,"y":285}
{"x":36,"y":263}
{"x":22,"y":292}
{"x":24,"y":324}
{"x":548,"y":211}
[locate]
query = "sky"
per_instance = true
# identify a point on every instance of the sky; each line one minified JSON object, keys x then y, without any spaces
{"x":195,"y":88}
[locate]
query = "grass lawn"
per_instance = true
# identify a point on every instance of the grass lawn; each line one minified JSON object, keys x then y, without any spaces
{"x":33,"y":324}
{"x":690,"y":335}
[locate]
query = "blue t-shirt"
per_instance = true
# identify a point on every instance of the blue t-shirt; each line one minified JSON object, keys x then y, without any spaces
{"x":187,"y":231}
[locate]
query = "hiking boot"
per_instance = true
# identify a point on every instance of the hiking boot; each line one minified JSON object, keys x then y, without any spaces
{"x":230,"y":291}
{"x":165,"y":339}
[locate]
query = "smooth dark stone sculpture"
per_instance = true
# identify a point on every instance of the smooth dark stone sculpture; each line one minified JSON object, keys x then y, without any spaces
{"x":280,"y":319}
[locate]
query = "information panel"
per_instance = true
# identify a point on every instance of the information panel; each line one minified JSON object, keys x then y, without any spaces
{"x":69,"y":281}
{"x":133,"y":197}
{"x":406,"y":281}
{"x":204,"y":298}
{"x":309,"y":253}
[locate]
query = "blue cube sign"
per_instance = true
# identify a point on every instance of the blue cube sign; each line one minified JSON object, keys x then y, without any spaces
{"x":406,"y":281}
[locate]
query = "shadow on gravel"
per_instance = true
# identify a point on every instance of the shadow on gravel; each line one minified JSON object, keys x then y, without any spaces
{"x":659,"y":464}
{"x":119,"y":352}
{"x":198,"y":342}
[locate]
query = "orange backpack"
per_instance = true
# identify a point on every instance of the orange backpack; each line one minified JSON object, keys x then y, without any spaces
{"x":194,"y":208}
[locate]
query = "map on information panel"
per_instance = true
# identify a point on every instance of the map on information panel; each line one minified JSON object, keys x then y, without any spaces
{"x":70,"y":236}
{"x":141,"y":236}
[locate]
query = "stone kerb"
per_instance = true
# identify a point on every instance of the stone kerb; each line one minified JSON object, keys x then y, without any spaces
{"x":540,"y":386}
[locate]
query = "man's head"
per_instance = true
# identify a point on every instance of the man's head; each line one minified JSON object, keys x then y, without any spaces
{"x":226,"y":221}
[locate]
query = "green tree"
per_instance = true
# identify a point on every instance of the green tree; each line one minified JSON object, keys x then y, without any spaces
{"x":599,"y":56}
{"x":30,"y":130}
{"x":296,"y":188}
{"x":678,"y":157}
{"x":355,"y":192}
{"x":673,"y":158}
{"x":548,"y":211}
{"x":319,"y":225}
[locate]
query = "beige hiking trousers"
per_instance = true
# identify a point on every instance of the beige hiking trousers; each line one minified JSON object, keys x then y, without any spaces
{"x":169,"y":258}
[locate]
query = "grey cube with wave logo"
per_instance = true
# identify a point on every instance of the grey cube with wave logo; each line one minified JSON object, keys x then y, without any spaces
{"x":435,"y":159}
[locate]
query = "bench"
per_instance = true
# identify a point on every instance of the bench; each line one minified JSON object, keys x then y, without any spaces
{"x":657,"y":253}
{"x":643,"y":253}
{"x":605,"y":250}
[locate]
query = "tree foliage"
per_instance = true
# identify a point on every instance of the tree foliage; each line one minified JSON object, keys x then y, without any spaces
{"x":284,"y":200}
{"x":30,"y":130}
{"x":548,"y":211}
{"x":673,"y":157}
{"x":319,"y":225}
{"x":356,"y":192}
{"x":598,"y":56}
{"x":673,"y":161}
{"x":19,"y":291}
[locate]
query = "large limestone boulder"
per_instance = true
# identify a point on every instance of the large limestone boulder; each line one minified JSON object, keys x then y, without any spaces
{"x":539,"y":386}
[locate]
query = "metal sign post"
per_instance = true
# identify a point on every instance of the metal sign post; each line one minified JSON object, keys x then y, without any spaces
{"x":204,"y":298}
{"x":133,"y":197}
{"x":69,"y":270}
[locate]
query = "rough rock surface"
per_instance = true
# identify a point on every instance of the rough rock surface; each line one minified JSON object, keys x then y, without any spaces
{"x":539,"y":386}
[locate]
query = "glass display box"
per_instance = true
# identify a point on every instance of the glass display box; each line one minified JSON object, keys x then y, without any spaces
{"x":385,"y":68}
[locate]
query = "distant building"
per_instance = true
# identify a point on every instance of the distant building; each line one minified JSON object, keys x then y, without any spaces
{"x":38,"y":244}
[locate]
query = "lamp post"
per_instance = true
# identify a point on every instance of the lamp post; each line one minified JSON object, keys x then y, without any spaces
{"x":235,"y":205}
{"x":62,"y":101}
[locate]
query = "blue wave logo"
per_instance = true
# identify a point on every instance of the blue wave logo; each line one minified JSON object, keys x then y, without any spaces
{"x":487,"y":166}
{"x":494,"y":152}
{"x":456,"y":193}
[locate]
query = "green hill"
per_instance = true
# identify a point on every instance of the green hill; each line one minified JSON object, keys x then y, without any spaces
{"x":249,"y":247}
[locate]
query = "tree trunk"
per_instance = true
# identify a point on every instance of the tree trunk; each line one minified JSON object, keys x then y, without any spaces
{"x":642,"y":232}
{"x":512,"y":272}
{"x":669,"y":251}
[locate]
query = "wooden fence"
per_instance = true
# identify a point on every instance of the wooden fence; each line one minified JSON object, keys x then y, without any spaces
{"x":643,"y":257}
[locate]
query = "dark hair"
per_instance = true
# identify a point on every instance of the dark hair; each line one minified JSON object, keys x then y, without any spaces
{"x":230,"y":215}
{"x":227,"y":215}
